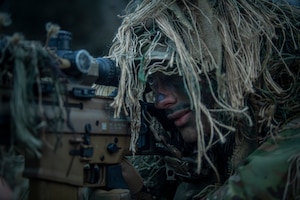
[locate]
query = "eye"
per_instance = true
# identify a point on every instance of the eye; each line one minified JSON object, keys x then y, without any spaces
{"x":150,"y":80}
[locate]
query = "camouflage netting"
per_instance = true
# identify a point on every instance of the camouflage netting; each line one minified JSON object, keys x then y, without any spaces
{"x":249,"y":47}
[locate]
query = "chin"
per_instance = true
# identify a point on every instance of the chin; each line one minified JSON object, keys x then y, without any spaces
{"x":189,"y":135}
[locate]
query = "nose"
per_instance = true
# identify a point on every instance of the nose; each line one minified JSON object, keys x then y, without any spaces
{"x":164,"y":97}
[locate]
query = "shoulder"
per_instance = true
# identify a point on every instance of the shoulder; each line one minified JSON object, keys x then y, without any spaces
{"x":271,"y":172}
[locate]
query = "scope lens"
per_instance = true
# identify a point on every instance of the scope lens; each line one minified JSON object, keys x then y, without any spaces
{"x":83,"y":61}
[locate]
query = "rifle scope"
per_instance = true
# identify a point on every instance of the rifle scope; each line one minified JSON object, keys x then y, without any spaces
{"x":81,"y":62}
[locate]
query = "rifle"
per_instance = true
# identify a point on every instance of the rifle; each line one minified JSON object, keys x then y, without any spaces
{"x":82,"y":144}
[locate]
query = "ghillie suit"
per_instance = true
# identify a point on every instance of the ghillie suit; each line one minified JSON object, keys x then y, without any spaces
{"x":23,"y":65}
{"x":246,"y":50}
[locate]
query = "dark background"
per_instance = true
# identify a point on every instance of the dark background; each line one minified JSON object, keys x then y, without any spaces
{"x":93,"y":23}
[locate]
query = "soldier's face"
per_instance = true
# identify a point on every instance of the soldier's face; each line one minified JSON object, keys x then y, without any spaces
{"x":171,"y":96}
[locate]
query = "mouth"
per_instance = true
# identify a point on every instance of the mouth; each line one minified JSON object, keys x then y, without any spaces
{"x":180,"y":118}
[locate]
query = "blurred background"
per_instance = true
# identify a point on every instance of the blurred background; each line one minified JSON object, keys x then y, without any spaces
{"x":93,"y":23}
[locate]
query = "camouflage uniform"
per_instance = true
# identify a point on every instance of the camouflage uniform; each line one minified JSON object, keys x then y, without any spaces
{"x":270,"y":172}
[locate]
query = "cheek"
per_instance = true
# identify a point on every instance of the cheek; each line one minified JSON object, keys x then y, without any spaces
{"x":179,"y":87}
{"x":180,"y":92}
{"x":189,"y":131}
{"x":5,"y":191}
